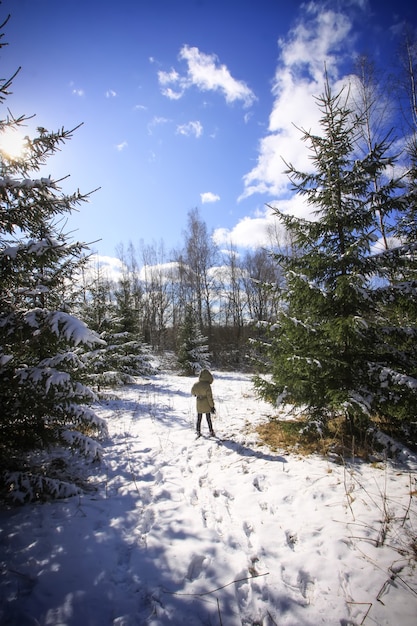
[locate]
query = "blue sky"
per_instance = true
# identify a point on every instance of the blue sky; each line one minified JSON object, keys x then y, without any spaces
{"x":184,"y":103}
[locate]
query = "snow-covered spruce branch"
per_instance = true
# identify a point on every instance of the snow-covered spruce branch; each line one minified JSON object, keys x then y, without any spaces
{"x":16,"y":184}
{"x":27,"y":487}
{"x":388,"y":375}
{"x":86,"y":445}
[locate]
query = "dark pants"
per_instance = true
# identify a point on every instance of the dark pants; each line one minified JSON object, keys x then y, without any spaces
{"x":210,"y":425}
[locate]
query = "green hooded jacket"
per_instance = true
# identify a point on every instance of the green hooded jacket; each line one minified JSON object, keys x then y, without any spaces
{"x":202,"y":390}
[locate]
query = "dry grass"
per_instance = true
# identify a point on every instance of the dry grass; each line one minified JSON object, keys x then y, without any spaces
{"x":290,"y":436}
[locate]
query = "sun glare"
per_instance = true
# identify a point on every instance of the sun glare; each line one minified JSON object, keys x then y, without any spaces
{"x":11,"y":143}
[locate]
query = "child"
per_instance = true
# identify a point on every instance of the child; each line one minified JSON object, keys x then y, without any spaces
{"x":205,"y":402}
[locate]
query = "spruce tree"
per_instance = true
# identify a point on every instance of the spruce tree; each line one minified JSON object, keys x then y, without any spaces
{"x":110,"y":309}
{"x":330,"y":350}
{"x":399,"y":308}
{"x":43,"y":402}
{"x":192,"y":353}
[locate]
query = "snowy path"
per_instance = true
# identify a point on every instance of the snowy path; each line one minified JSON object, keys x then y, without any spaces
{"x":186,"y":531}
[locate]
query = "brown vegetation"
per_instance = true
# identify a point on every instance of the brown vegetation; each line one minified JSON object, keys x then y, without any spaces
{"x":293,"y":436}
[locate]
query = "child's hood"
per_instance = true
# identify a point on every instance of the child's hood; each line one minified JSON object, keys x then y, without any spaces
{"x":205,"y":376}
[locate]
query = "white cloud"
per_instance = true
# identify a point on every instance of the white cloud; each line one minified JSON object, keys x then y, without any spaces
{"x":168,"y":78}
{"x":163,"y":272}
{"x":263,"y":228}
{"x":121,"y":146}
{"x":208,"y":196}
{"x":78,"y":92}
{"x":320,"y":39}
{"x":171,"y":94}
{"x":156,"y":121}
{"x":165,"y":78}
{"x":109,"y":267}
{"x":110,"y":93}
{"x":191,"y":128}
{"x":205,"y":73}
{"x":249,"y":232}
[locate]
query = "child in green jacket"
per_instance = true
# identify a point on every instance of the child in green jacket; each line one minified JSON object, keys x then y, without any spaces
{"x":205,"y":402}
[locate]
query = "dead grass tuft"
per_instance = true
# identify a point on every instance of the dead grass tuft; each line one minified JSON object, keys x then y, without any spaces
{"x":293,"y":436}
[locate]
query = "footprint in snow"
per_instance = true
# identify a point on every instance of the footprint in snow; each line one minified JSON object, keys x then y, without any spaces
{"x":202,"y":480}
{"x":147,"y":521}
{"x":118,"y":575}
{"x":291,"y":539}
{"x":213,"y":519}
{"x":260,"y":482}
{"x":306,"y":585}
{"x":196,"y":566}
{"x":248,"y":529}
{"x":222,"y":492}
{"x":146,"y":495}
{"x":204,"y":515}
{"x":243,"y":589}
{"x":194,"y":497}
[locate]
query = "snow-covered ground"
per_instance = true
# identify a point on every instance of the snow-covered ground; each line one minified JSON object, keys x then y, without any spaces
{"x":221,"y":532}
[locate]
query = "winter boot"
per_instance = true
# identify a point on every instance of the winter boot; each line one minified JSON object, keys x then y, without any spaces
{"x":198,"y":426}
{"x":210,"y":425}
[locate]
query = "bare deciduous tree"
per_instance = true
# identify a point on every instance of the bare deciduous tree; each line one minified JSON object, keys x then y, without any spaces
{"x":200,"y":256}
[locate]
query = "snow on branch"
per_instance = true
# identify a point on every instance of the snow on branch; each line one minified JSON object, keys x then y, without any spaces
{"x":27,"y":487}
{"x":86,"y":414}
{"x":387,"y":375}
{"x":36,"y":248}
{"x":7,"y":182}
{"x":56,"y":379}
{"x":86,"y":445}
{"x":71,"y":328}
